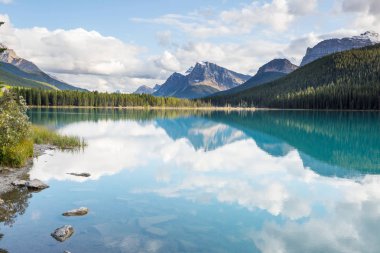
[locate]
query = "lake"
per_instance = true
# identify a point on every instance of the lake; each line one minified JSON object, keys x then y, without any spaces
{"x":187,"y":181}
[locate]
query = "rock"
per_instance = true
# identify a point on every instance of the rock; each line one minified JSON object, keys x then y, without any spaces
{"x":66,"y":251}
{"x":19,"y":183}
{"x":80,"y":174}
{"x":77,"y":212}
{"x":1,"y":201}
{"x":36,"y":184}
{"x":63,"y":233}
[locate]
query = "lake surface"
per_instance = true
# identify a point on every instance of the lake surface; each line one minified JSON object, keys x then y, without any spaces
{"x":181,"y":181}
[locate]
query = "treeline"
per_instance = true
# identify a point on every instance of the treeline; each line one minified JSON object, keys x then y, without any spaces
{"x":346,"y":80}
{"x":39,"y":97}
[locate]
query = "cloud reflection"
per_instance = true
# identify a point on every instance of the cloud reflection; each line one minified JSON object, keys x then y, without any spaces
{"x":321,"y":214}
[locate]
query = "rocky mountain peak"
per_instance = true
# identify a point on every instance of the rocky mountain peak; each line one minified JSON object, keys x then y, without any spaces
{"x":278,"y":65}
{"x":371,"y":35}
{"x":203,"y":79}
{"x":331,"y":46}
{"x":10,"y":56}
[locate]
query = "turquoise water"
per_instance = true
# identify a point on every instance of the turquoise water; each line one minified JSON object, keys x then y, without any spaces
{"x":180,"y":181}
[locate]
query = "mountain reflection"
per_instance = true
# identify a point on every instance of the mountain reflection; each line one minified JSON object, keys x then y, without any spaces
{"x":343,"y":144}
{"x":202,"y":133}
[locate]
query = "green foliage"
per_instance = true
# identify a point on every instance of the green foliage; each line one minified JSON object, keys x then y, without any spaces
{"x":14,"y":124}
{"x":38,"y":97}
{"x":14,"y":80}
{"x":17,"y":136}
{"x":346,"y":80}
{"x":15,"y":147}
{"x":17,"y":154}
{"x":42,"y":135}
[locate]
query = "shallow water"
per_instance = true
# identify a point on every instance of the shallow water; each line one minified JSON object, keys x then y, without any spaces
{"x":180,"y":181}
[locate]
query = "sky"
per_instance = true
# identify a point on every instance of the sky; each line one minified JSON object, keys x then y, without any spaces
{"x":122,"y":44}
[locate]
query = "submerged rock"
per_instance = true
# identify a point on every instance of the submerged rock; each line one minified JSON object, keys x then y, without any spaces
{"x":63,"y":233}
{"x":66,"y":251}
{"x":80,"y":174}
{"x":76,"y":212}
{"x":36,"y":184}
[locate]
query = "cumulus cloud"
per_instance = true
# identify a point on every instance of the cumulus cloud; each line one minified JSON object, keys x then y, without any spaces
{"x":77,"y":53}
{"x":276,"y":15}
{"x":367,"y":13}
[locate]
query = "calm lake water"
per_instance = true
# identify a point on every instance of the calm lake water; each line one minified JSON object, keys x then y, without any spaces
{"x":179,"y":181}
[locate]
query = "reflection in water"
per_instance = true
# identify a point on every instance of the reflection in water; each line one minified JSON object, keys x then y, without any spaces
{"x":177,"y":181}
{"x":16,"y":202}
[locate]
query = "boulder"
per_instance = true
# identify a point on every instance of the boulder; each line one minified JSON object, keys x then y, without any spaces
{"x":80,"y":174}
{"x":76,"y":212}
{"x":63,"y":233}
{"x":19,"y":183}
{"x":36,"y":184}
{"x":1,"y":201}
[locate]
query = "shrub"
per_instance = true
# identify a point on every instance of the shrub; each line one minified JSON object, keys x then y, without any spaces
{"x":16,"y":155}
{"x":14,"y":124}
{"x":15,"y":145}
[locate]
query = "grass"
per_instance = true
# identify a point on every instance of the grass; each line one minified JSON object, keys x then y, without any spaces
{"x":17,"y":155}
{"x":43,"y":135}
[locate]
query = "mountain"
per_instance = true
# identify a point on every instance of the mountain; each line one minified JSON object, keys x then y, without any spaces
{"x":278,"y":65}
{"x":7,"y":77}
{"x":203,"y":79}
{"x":344,"y":80}
{"x":270,"y":71}
{"x":144,"y":90}
{"x":202,"y":134}
{"x":17,"y":71}
{"x":331,"y":46}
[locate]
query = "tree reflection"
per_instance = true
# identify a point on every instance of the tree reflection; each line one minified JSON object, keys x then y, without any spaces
{"x":16,"y":203}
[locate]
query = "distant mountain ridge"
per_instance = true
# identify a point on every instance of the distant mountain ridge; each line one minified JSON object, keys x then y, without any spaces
{"x":270,"y":71}
{"x":144,"y":89}
{"x":203,"y":79}
{"x":343,"y":80}
{"x":331,"y":46}
{"x":278,"y":65}
{"x":16,"y":69}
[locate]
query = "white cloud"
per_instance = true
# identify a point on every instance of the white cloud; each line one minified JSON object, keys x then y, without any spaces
{"x":168,"y":61}
{"x":302,"y":7}
{"x":6,"y":1}
{"x":276,"y":15}
{"x":81,"y":55}
{"x":244,"y":57}
{"x":366,"y":13}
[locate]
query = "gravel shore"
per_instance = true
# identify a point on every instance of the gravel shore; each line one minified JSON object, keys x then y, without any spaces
{"x":8,"y":175}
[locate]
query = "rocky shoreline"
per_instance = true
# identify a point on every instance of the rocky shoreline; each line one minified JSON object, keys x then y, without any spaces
{"x":9,"y":175}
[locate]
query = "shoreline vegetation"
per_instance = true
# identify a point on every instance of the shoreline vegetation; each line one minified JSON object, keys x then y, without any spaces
{"x":210,"y":108}
{"x":18,"y":136}
{"x":38,"y":98}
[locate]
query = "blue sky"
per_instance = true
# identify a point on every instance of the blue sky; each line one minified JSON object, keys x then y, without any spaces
{"x":119,"y":45}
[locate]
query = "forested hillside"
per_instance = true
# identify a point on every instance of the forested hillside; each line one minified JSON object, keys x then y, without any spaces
{"x":39,"y":97}
{"x":345,"y":80}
